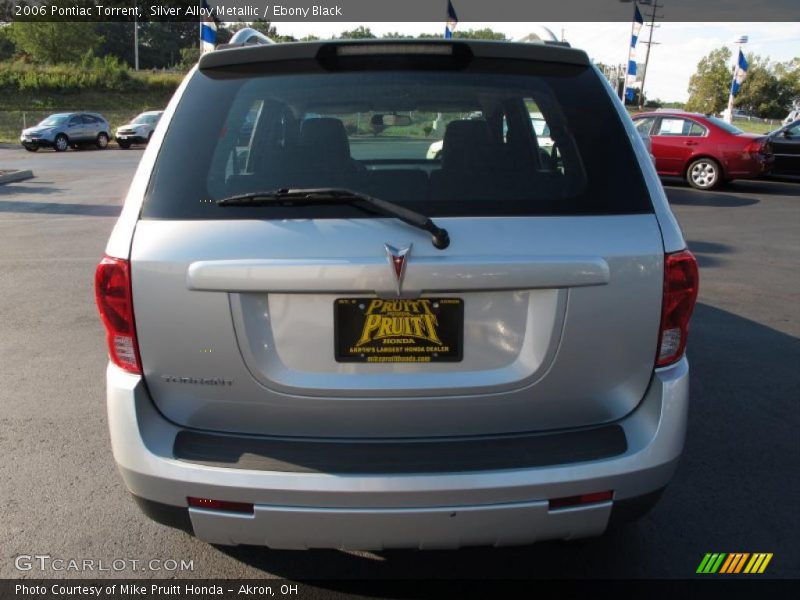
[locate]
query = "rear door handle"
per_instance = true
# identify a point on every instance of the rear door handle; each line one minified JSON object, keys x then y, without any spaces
{"x":690,"y":143}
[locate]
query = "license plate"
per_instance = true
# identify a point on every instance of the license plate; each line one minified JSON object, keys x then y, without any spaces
{"x":372,"y":330}
{"x":122,"y":137}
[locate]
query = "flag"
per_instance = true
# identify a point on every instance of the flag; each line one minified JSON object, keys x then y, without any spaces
{"x":452,"y":21}
{"x":208,"y":29}
{"x":739,"y":74}
{"x":630,"y":78}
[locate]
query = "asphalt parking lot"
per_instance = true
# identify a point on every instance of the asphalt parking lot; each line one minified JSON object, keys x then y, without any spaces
{"x":737,"y":488}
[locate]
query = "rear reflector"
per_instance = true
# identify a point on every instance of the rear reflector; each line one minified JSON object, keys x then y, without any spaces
{"x":681,"y":281}
{"x":112,"y":289}
{"x":208,"y":504}
{"x":581,"y":500}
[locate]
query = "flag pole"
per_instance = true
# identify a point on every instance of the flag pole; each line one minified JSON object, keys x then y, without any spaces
{"x":628,"y":58}
{"x":729,"y":111}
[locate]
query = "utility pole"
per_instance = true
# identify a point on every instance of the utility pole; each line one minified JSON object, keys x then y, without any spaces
{"x":135,"y":43}
{"x":649,"y":43}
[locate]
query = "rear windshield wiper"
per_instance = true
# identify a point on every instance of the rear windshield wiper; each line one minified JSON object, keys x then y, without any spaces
{"x":294,"y":197}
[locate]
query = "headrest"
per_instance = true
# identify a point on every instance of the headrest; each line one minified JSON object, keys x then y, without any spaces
{"x":466,"y":144}
{"x":326,"y":136}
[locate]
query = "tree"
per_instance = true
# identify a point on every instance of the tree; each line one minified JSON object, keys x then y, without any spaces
{"x":51,"y":42}
{"x":762,"y":93}
{"x":469,"y":34}
{"x":189,"y":56}
{"x":117,"y":40}
{"x":710,"y":84}
{"x":160,"y":43}
{"x":7,"y":47}
{"x":788,"y":75}
{"x":359,"y":33}
{"x":480,"y":34}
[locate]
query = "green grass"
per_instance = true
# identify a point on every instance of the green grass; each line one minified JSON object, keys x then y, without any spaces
{"x":757,"y":126}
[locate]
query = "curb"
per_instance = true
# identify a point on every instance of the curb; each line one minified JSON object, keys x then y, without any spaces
{"x":15,"y":176}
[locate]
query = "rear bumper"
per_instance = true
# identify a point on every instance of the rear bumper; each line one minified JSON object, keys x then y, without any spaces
{"x":436,"y":510}
{"x":750,"y":166}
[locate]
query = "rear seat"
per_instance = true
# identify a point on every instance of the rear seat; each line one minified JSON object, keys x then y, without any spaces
{"x":474,"y":167}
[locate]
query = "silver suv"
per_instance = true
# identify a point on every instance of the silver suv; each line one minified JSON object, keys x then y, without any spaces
{"x":321,"y":338}
{"x":64,"y":130}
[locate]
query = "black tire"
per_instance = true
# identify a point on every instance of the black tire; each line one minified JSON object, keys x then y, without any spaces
{"x":124,"y":144}
{"x":704,"y":174}
{"x":61,"y":143}
{"x":102,"y":140}
{"x":31,"y":148}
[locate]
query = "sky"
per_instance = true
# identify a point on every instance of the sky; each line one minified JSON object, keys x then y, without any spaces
{"x":672,"y":61}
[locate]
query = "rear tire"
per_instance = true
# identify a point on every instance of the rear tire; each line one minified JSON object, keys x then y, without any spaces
{"x":102,"y":140}
{"x":704,"y":174}
{"x":123,"y":144}
{"x":61,"y":143}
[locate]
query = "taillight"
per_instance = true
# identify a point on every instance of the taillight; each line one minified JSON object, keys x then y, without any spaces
{"x":112,"y":290}
{"x":754,"y":147}
{"x":681,"y":281}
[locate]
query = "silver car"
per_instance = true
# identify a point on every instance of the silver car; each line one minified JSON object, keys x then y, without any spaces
{"x":319,"y":337}
{"x":64,"y":130}
{"x":139,"y":130}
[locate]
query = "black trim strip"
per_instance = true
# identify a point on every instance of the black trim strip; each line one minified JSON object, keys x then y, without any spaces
{"x":393,"y":456}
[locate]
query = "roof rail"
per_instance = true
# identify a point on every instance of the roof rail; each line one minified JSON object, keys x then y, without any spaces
{"x":246,"y":37}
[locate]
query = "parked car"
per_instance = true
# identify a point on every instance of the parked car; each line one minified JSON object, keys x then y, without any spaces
{"x":793,"y":116}
{"x":318,"y":341}
{"x":139,"y":130}
{"x":784,"y":145}
{"x":704,"y":150}
{"x":64,"y":130}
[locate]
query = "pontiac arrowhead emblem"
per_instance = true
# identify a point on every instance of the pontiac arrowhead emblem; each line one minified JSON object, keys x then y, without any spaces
{"x":397,"y":261}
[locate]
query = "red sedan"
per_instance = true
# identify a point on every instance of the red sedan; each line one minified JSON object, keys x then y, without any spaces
{"x":706,"y":151}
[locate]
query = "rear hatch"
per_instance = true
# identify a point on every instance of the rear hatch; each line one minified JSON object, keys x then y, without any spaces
{"x":324,"y":319}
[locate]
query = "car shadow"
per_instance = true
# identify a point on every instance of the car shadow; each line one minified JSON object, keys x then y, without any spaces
{"x":767,"y":187}
{"x":12,"y":189}
{"x":733,"y":485}
{"x":691,"y":197}
{"x":707,"y":253}
{"x":59,"y":208}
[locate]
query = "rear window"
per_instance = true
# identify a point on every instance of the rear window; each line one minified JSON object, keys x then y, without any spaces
{"x":725,"y":126}
{"x":494,"y":138}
